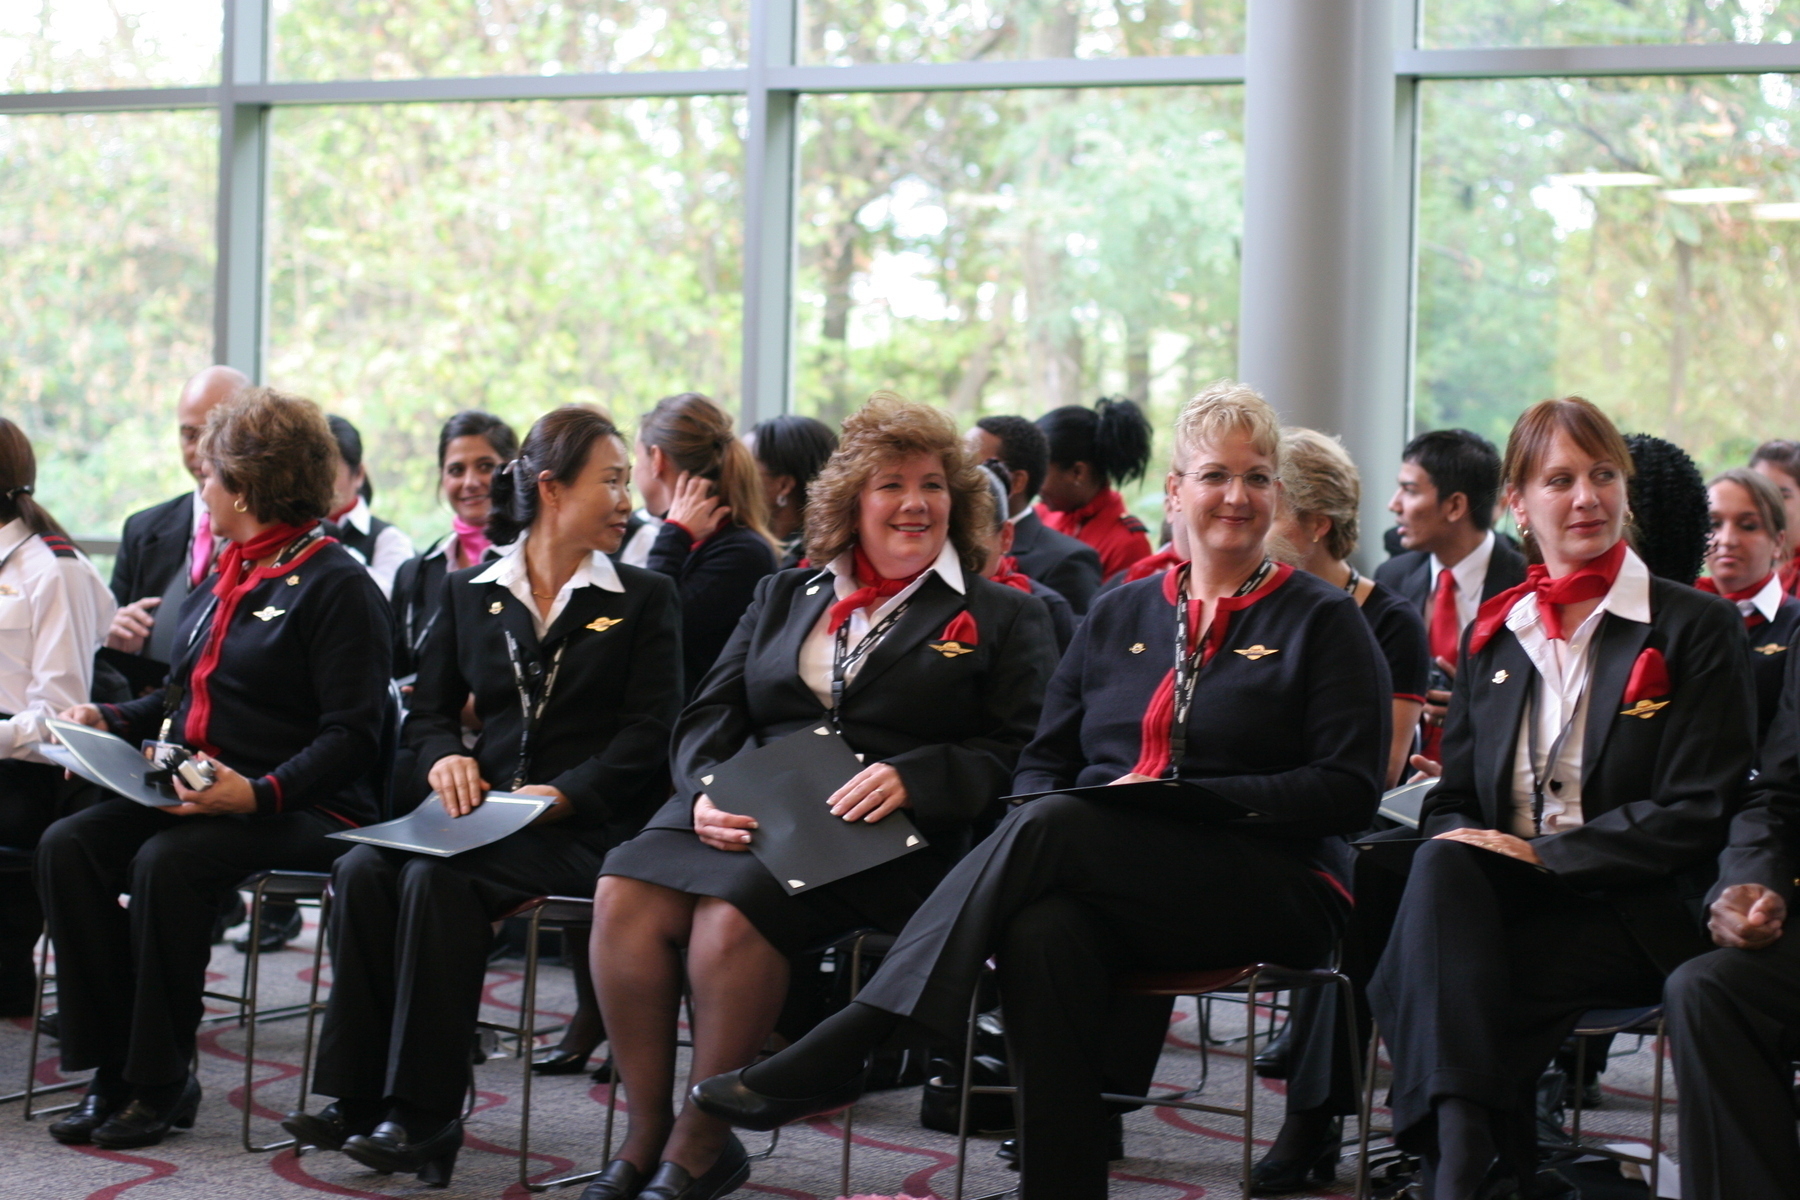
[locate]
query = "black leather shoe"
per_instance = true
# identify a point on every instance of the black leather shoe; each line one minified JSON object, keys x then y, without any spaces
{"x":1314,"y":1167}
{"x":328,"y":1129}
{"x":729,"y":1098}
{"x":280,"y":925}
{"x":561,"y":1062}
{"x":142,"y":1124}
{"x":77,"y":1128}
{"x":1275,"y":1058}
{"x":727,"y":1175}
{"x":604,"y":1073}
{"x":1008,"y":1150}
{"x":386,"y":1149}
{"x":232,"y":914}
{"x":621,"y":1180}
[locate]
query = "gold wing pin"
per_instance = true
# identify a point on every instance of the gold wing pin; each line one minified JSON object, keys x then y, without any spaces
{"x":495,"y":607}
{"x":951,"y":649}
{"x":292,"y":580}
{"x":1137,"y":647}
{"x":1501,"y":677}
{"x":268,"y":614}
{"x":1257,"y":651}
{"x":1644,"y":709}
{"x":1769,"y":649}
{"x":7,"y":589}
{"x":602,"y":624}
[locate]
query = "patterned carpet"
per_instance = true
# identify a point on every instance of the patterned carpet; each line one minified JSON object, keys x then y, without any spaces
{"x":1172,"y":1155}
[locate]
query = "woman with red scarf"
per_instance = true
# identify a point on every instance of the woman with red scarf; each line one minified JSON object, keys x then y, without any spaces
{"x":1091,"y":449}
{"x":281,"y":682}
{"x":1744,"y":555}
{"x":933,"y":674}
{"x":1600,"y":730}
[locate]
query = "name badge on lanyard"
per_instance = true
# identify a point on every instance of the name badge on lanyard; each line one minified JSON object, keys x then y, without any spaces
{"x":1187,"y":664}
{"x":530,"y":710}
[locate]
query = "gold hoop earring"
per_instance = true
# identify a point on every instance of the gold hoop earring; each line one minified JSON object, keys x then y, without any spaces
{"x":239,"y":506}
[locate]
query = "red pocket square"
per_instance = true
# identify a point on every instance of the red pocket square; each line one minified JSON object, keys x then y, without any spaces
{"x":960,"y":629}
{"x":1649,"y":678}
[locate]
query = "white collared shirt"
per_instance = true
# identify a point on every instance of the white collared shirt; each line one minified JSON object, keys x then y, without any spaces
{"x":509,"y":572}
{"x":1470,"y":575}
{"x":1765,"y":603}
{"x":816,"y":650}
{"x":53,"y":613}
{"x":392,"y":546}
{"x":636,"y":551}
{"x":1560,"y":697}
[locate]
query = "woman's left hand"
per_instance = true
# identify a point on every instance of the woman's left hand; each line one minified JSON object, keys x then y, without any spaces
{"x":872,"y":794}
{"x":555,"y":812}
{"x":1493,"y":839}
{"x":229,"y":793}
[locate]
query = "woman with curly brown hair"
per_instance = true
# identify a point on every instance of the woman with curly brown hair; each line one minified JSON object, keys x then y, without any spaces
{"x":898,"y":517}
{"x":281,"y":682}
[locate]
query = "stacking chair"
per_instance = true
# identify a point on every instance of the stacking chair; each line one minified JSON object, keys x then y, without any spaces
{"x":14,"y":861}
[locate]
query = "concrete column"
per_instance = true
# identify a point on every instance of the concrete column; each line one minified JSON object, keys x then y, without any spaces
{"x":1323,"y":321}
{"x":241,"y":282}
{"x":770,"y":168}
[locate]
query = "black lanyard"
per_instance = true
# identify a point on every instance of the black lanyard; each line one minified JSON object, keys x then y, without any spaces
{"x":1556,"y":746}
{"x":1187,"y":664}
{"x":844,"y":656}
{"x":530,"y":713}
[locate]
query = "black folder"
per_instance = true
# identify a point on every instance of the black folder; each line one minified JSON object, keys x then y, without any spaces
{"x":141,"y":674}
{"x":1396,"y":855}
{"x":106,"y":759}
{"x":785,"y":785}
{"x":1174,"y":797}
{"x":1402,"y":805}
{"x":428,"y":829}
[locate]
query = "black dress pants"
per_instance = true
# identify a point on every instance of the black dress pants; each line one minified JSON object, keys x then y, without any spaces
{"x":410,"y":935}
{"x":28,"y":793}
{"x":1067,"y":894}
{"x":1734,"y":1023}
{"x":129,"y":980}
{"x":1486,"y":972}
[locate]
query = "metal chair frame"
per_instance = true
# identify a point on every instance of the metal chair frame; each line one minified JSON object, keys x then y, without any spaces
{"x":1249,"y":980}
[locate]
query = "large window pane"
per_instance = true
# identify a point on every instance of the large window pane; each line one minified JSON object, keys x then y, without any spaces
{"x":513,"y":257}
{"x":1605,"y":22}
{"x":106,"y":273}
{"x":405,"y":39}
{"x":1636,"y":241}
{"x":1013,"y":251}
{"x":65,"y":45}
{"x":855,"y":31}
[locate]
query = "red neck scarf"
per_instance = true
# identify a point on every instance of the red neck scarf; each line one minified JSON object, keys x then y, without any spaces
{"x":1589,"y":581}
{"x":237,"y":577}
{"x":1707,"y":583}
{"x":1106,"y":502}
{"x":1008,"y":574}
{"x":866,"y":593}
{"x":471,"y":540}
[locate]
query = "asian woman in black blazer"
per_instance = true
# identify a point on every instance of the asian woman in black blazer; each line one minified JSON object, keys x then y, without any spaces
{"x":1744,"y":554}
{"x":1601,"y":729}
{"x":281,"y":679}
{"x":714,"y":541}
{"x":1281,"y":704}
{"x":593,"y":652}
{"x":944,"y":673}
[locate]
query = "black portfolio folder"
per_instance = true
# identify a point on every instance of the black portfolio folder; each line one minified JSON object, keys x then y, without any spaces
{"x":428,"y":829}
{"x":1176,"y":797}
{"x":141,"y":673}
{"x":1396,"y":855}
{"x":103,"y":758}
{"x":1401,"y":805}
{"x":785,"y":786}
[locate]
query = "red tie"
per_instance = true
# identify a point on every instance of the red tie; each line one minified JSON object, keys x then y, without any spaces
{"x":1445,"y":627}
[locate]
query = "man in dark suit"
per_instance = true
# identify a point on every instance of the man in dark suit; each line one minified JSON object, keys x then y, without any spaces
{"x":1064,"y":564}
{"x":1449,"y":480}
{"x":158,"y":543}
{"x":1734,"y":1014}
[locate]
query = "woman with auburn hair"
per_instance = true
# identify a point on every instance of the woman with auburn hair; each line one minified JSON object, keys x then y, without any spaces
{"x":1260,"y":685}
{"x":715,"y":542}
{"x":1601,"y":729}
{"x":282,"y":685}
{"x":931,"y":673}
{"x":1744,"y":555}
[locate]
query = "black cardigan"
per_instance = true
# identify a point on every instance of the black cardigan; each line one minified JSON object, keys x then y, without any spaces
{"x":1657,"y":792}
{"x":603,"y":737}
{"x":716,"y":579}
{"x":300,"y":693}
{"x":1290,"y":714}
{"x":1769,"y":646}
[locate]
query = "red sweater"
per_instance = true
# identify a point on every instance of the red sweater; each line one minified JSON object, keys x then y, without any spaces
{"x":1104,"y":523}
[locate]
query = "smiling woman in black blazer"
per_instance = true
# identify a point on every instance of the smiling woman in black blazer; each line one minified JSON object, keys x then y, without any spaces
{"x":944,"y":673}
{"x":593,"y":652}
{"x":1286,"y":712}
{"x":1744,"y":552}
{"x":1601,"y":728}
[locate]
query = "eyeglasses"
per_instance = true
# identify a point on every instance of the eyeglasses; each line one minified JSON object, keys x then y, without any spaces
{"x":1215,"y":480}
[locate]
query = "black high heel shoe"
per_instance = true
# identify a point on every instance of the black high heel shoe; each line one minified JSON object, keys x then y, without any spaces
{"x":727,"y":1175}
{"x":141,"y":1123}
{"x":561,"y":1062}
{"x":621,"y":1180}
{"x":386,"y":1149}
{"x":729,"y":1098}
{"x":1315,"y":1166}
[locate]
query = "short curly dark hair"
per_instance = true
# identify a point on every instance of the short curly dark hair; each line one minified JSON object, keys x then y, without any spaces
{"x":274,"y":450}
{"x":1670,"y":525}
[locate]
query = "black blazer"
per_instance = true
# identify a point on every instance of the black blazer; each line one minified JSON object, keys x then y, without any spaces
{"x":152,"y":548}
{"x":716,"y":581}
{"x":1769,"y":646}
{"x":952,"y":726}
{"x":602,"y":739}
{"x":1062,"y":616}
{"x":418,"y":590}
{"x":1657,"y":792}
{"x":1056,"y":560}
{"x":1410,"y":575}
{"x":1764,"y":843}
